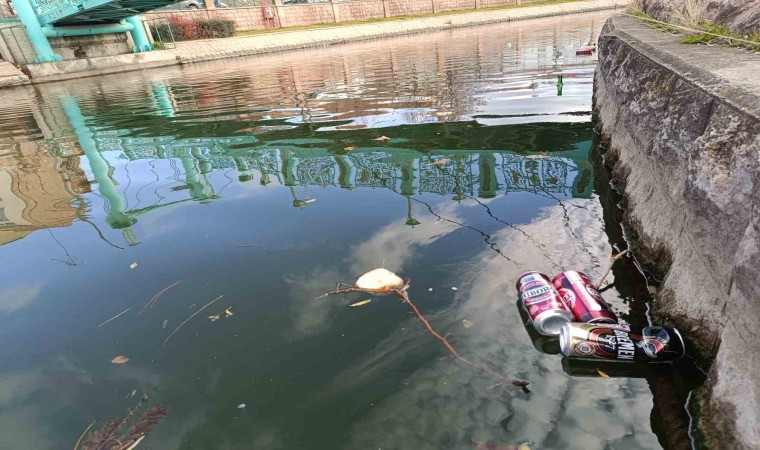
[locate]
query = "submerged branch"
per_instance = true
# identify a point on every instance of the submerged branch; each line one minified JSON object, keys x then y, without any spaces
{"x":401,"y":292}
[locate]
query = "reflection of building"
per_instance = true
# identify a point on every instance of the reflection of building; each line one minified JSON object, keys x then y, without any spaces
{"x":38,"y":192}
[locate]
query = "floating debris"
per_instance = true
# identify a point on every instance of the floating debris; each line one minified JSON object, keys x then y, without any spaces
{"x":439,"y":162}
{"x":467,"y":323}
{"x":120,"y":359}
{"x":191,"y":316}
{"x":602,"y":374}
{"x":132,"y":394}
{"x":214,"y":318}
{"x":383,"y":281}
{"x":133,"y":265}
{"x":228,"y":312}
{"x":383,"y":139}
{"x":155,"y":298}
{"x":165,"y":322}
{"x":361,"y":303}
{"x":454,"y":288}
{"x":349,"y":148}
{"x":241,"y":406}
{"x":430,"y":289}
{"x":114,"y":317}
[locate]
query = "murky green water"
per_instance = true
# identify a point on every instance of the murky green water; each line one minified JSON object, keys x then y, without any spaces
{"x":449,"y":158}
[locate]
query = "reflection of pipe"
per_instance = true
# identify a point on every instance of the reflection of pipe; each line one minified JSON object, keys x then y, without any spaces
{"x":116,"y":217}
{"x":243,"y":168}
{"x":86,"y":30}
{"x":192,"y":177}
{"x":346,"y":172}
{"x":407,"y":178}
{"x":489,"y":184}
{"x":163,"y":99}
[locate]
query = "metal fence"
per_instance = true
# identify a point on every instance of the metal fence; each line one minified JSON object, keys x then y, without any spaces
{"x":160,"y":29}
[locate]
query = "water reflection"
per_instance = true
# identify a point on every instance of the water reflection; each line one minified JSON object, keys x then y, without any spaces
{"x":450,"y":158}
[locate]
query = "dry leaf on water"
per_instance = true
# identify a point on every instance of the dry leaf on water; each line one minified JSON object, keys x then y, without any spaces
{"x":361,"y":303}
{"x":228,"y":312}
{"x":383,"y":138}
{"x":602,"y":374}
{"x":214,"y":318}
{"x":120,"y":359}
{"x":467,"y":323}
{"x":133,"y":265}
{"x":349,"y":148}
{"x":439,"y":162}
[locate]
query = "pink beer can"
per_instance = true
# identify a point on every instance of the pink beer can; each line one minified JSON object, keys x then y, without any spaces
{"x":580,"y":295}
{"x":542,"y":302}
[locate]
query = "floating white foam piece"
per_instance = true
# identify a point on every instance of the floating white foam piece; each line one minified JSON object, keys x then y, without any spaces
{"x":379,"y":280}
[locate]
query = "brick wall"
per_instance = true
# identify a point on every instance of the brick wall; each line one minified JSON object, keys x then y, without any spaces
{"x":252,"y":18}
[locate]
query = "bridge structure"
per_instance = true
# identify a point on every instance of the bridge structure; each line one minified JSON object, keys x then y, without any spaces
{"x":43,"y":19}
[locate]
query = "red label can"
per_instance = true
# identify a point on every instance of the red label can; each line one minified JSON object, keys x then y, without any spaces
{"x":543,"y":303}
{"x":582,"y":298}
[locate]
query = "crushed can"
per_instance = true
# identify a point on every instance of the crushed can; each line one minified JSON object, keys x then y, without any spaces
{"x":542,"y":302}
{"x":620,"y":343}
{"x":582,"y":298}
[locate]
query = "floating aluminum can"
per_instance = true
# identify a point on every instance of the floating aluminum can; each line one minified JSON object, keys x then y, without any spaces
{"x":542,"y":302}
{"x":619,"y":343}
{"x":582,"y":298}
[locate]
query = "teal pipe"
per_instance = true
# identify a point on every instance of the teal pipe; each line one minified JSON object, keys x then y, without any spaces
{"x":139,"y":36}
{"x":42,"y":49}
{"x":86,"y":30}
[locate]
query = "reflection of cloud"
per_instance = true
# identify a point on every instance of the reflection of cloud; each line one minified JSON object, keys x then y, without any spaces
{"x":312,"y":316}
{"x":395,"y":243}
{"x":18,"y":297}
{"x":447,"y":405}
{"x":390,"y":247}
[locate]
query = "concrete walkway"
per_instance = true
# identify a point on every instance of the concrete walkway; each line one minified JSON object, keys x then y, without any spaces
{"x":206,"y":50}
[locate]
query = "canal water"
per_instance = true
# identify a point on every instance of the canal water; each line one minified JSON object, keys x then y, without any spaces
{"x":457,"y":159}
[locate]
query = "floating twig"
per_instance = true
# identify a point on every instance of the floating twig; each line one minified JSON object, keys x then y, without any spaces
{"x":609,"y":267}
{"x":81,"y":436}
{"x":154,"y":299}
{"x":114,"y":317}
{"x":400,"y":289}
{"x":191,"y":316}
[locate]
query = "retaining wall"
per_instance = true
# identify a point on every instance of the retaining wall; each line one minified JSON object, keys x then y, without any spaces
{"x":682,"y":124}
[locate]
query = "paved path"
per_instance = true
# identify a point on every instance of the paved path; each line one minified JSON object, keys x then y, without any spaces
{"x":210,"y":49}
{"x":11,"y":76}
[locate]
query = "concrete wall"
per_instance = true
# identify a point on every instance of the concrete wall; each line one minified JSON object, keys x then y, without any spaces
{"x":683,"y":129}
{"x":741,"y":16}
{"x":252,"y":18}
{"x":80,"y":47}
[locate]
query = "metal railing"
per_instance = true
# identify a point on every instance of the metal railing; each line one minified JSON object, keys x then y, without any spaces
{"x":161,"y":30}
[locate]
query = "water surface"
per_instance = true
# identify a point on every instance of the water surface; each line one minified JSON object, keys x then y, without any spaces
{"x":457,"y":159}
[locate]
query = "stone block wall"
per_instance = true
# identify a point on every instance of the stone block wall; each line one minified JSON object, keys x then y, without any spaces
{"x":308,"y":14}
{"x":81,"y":47}
{"x":455,"y":5}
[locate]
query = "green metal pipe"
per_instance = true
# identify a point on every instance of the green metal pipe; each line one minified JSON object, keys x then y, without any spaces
{"x":86,"y":30}
{"x":42,"y":49}
{"x":139,"y":36}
